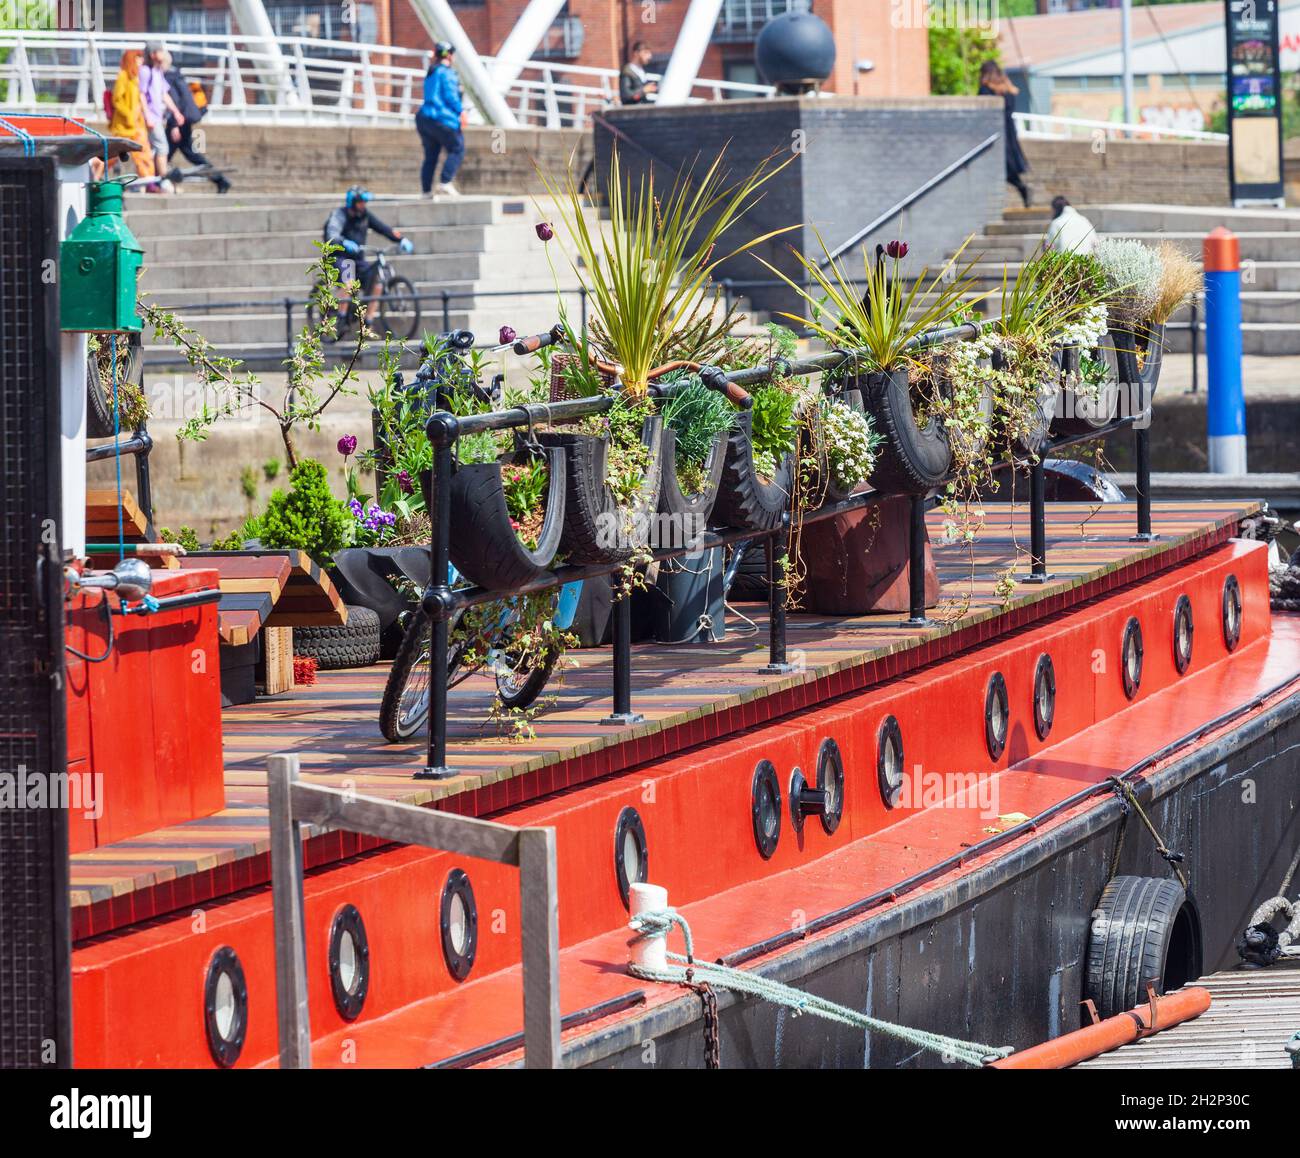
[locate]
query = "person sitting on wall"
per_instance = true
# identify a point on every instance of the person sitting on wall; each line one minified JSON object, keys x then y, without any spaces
{"x":1069,"y":230}
{"x":441,"y":122}
{"x":633,"y":86}
{"x":348,"y":226}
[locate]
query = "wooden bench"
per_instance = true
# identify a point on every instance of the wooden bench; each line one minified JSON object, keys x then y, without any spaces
{"x":102,"y":530}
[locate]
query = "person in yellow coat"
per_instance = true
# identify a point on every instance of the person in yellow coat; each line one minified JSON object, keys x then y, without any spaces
{"x":128,"y":112}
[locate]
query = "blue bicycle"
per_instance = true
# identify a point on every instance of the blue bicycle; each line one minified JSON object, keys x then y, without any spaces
{"x":481,"y":637}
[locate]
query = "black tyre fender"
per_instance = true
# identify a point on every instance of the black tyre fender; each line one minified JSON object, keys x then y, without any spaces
{"x":99,"y":407}
{"x":745,"y":501}
{"x":912,"y":458}
{"x":355,"y":644}
{"x":1143,"y":932}
{"x":484,"y":546}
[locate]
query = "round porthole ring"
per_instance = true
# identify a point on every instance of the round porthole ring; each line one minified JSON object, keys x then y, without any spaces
{"x":460,"y":959}
{"x":765,"y":785}
{"x":830,"y":766}
{"x":349,"y":1002}
{"x":1183,"y":614}
{"x":889,"y":732}
{"x":996,"y":693}
{"x":629,"y":824}
{"x":1044,"y":677}
{"x":1131,"y":643}
{"x":225,"y":1050}
{"x":1232,"y":621}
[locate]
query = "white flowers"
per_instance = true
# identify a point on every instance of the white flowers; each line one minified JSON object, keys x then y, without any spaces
{"x":850,"y":444}
{"x":1088,"y":327}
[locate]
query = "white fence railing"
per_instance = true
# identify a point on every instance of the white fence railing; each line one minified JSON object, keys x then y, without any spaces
{"x":306,"y":81}
{"x":1037,"y":126}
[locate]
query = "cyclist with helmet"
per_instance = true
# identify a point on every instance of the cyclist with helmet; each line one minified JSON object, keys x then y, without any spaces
{"x":348,"y":226}
{"x":440,"y":121}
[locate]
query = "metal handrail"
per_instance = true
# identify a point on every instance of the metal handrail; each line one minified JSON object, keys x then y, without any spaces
{"x":914,"y":196}
{"x":1025,"y":123}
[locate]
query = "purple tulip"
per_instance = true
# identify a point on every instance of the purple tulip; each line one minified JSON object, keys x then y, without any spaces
{"x":896,"y":249}
{"x":404,"y":481}
{"x":544,"y":230}
{"x":506,"y":336}
{"x":347,"y":444}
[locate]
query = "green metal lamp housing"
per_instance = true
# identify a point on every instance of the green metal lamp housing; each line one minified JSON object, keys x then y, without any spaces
{"x":98,"y":267}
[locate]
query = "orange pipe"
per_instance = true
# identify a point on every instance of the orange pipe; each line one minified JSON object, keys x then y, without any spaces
{"x":1072,"y":1048}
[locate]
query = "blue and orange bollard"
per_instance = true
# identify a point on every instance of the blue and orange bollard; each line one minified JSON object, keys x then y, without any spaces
{"x":1225,"y":402}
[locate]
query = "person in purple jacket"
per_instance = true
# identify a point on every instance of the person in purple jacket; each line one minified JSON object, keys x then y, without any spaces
{"x":439,"y":122}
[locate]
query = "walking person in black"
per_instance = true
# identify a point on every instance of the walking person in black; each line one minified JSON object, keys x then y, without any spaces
{"x":181,"y":137}
{"x":995,"y":82}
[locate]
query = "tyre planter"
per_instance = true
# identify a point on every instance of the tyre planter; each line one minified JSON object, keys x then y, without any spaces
{"x":596,"y":530}
{"x":368,"y":577}
{"x":673,"y":500}
{"x":355,"y":644}
{"x":99,"y":405}
{"x":913,"y":457}
{"x":747,"y":500}
{"x":1079,"y":413}
{"x":820,"y":483}
{"x":1140,"y":356}
{"x":484,"y":546}
{"x":1030,"y":442}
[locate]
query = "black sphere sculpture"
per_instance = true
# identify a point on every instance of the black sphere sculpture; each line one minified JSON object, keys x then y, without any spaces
{"x":795,"y":52}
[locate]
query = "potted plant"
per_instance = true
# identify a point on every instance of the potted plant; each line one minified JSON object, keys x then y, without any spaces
{"x":697,"y":422}
{"x":646,"y":277}
{"x":879,"y":328}
{"x":1133,"y":272}
{"x":1180,"y":281}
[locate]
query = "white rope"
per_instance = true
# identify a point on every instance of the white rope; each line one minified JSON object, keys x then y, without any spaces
{"x":686,"y":971}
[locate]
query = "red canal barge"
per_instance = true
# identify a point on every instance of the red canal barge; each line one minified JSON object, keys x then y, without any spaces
{"x":968,"y":826}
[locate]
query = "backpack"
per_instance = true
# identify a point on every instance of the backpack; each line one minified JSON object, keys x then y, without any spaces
{"x":108,"y":103}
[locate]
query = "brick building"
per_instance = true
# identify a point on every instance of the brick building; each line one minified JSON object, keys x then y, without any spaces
{"x":591,"y":33}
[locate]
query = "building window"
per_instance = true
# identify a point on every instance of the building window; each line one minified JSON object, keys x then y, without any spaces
{"x":325,"y":21}
{"x":741,"y":20}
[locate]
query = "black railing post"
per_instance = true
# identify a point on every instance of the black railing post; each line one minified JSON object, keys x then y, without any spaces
{"x":582,"y":307}
{"x":1142,"y":484}
{"x":621,"y":629}
{"x":288,"y":327}
{"x":776,"y":547}
{"x":1037,"y":523}
{"x":143,"y":481}
{"x":446,"y":312}
{"x":437,"y":598}
{"x":1196,"y":345}
{"x":916,"y":616}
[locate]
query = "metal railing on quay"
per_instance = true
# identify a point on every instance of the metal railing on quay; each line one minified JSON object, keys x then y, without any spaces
{"x":441,"y":601}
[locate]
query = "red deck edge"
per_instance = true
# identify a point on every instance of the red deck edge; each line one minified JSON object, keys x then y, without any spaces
{"x":224,"y":879}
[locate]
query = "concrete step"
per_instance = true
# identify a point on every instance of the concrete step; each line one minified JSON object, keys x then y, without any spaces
{"x":1269,"y":338}
{"x":1189,"y":218}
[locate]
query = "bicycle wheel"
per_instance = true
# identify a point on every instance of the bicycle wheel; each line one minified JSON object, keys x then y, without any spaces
{"x":518,"y":683}
{"x":399,"y":309}
{"x":405,"y":706}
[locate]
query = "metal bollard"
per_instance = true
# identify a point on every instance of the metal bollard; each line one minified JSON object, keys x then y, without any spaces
{"x":1225,"y":402}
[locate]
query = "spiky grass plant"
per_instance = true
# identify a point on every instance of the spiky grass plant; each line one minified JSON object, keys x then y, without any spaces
{"x":1133,"y":274}
{"x":887,"y":317}
{"x":648,"y":271}
{"x":1180,"y":281}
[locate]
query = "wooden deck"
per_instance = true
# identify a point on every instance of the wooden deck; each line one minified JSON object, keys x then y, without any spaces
{"x":688,"y":694}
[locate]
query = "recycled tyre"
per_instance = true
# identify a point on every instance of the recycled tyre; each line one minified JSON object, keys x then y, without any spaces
{"x":745,"y":501}
{"x":355,"y":644}
{"x":672,"y":499}
{"x":589,"y":504}
{"x":484,"y":546}
{"x":1031,"y":443}
{"x":913,"y":458}
{"x":399,"y":308}
{"x":1080,"y":415}
{"x":1139,"y":926}
{"x":99,"y":407}
{"x":516,"y":696}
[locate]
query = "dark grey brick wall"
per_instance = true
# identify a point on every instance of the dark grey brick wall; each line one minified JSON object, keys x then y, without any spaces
{"x":855,"y":159}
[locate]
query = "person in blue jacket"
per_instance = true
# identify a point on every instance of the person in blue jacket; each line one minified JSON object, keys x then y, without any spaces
{"x":439,"y":122}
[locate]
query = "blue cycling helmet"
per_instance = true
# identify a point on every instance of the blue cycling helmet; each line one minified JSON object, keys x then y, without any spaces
{"x":355,"y":194}
{"x":443,"y":48}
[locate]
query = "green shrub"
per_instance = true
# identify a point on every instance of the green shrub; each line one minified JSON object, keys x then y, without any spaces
{"x":772,"y":423}
{"x":308,"y":518}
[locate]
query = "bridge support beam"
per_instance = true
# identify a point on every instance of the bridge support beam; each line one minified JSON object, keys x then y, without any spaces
{"x":440,"y":22}
{"x":254,"y":23}
{"x":523,"y":41}
{"x":692,"y":43}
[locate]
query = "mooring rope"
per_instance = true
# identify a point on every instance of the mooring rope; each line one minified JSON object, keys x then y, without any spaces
{"x":686,"y":970}
{"x":1261,"y":944}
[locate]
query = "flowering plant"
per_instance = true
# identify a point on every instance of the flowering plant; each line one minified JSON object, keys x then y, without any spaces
{"x":851,"y":443}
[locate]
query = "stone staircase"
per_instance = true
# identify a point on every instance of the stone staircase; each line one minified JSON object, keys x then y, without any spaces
{"x":1270,"y":253}
{"x":205,"y":255}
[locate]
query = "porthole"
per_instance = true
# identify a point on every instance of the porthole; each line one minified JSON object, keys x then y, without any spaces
{"x":1231,"y":612}
{"x":349,"y":962}
{"x":1044,"y":696}
{"x":458,"y":918}
{"x":1183,"y":630}
{"x":631,"y":861}
{"x":1130,"y":664}
{"x":997,"y":715}
{"x":830,"y":779}
{"x":765,"y":798}
{"x":225,"y":1007}
{"x":889,"y":761}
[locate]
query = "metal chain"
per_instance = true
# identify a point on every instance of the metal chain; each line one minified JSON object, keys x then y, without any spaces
{"x":1126,"y":794}
{"x":712,"y":1040}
